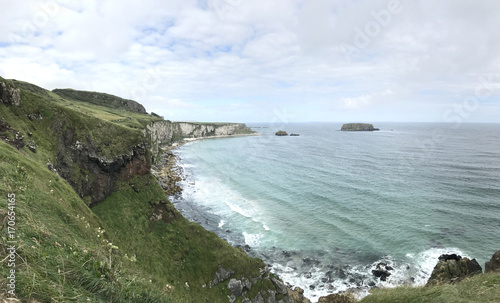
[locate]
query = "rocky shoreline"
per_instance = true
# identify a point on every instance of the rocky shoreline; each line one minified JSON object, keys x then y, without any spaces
{"x":449,"y":268}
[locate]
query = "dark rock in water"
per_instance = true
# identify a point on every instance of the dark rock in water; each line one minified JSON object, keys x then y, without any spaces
{"x":310,"y":261}
{"x":382,"y":271}
{"x":294,"y":135}
{"x":493,"y":265}
{"x":358,"y":127}
{"x":450,"y":257}
{"x":331,"y":275}
{"x":453,"y":268}
{"x":281,"y":133}
{"x":312,"y":287}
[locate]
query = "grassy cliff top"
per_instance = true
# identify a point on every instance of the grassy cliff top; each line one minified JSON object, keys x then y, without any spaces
{"x":101,"y":99}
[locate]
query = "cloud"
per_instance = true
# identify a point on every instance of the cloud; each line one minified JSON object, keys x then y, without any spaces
{"x":364,"y":101}
{"x":170,"y":55}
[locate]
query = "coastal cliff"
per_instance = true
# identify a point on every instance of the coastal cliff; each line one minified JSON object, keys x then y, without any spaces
{"x":59,"y":157}
{"x":94,"y":225}
{"x":164,"y":133}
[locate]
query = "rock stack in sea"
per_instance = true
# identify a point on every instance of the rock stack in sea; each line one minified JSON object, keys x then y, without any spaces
{"x":281,"y":133}
{"x":358,"y":127}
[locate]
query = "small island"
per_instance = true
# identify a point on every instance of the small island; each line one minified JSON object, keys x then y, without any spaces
{"x":281,"y":133}
{"x":358,"y":127}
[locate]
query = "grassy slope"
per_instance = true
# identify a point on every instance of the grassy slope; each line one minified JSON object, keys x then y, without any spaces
{"x":176,"y":252}
{"x":64,"y":255}
{"x":480,"y":288}
{"x":61,"y":253}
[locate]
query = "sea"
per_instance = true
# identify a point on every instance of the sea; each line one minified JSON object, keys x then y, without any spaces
{"x":322,"y":209}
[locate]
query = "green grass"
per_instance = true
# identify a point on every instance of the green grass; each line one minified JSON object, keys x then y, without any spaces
{"x":113,"y":252}
{"x":172,"y":251}
{"x":61,"y":255}
{"x":480,"y":289}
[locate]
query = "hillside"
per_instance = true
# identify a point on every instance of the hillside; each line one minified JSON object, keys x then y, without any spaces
{"x":101,"y":99}
{"x":91,"y":222}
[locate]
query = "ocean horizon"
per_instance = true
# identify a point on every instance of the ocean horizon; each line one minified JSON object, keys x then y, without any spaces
{"x":324,"y":208}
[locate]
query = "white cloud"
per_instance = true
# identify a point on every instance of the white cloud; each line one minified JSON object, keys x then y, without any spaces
{"x":170,"y":55}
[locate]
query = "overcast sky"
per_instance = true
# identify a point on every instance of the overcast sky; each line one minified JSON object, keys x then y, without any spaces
{"x":266,"y":60}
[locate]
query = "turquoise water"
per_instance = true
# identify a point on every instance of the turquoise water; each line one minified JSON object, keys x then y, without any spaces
{"x":324,"y":208}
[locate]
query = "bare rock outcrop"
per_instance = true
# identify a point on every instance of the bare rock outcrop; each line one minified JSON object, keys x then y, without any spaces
{"x":493,"y":265}
{"x":9,"y":95}
{"x":453,"y":268}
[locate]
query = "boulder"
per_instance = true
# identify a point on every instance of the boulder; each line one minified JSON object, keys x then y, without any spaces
{"x":31,"y":146}
{"x":9,"y":95}
{"x":281,"y":133}
{"x":337,"y":298}
{"x":453,"y":268}
{"x":222,"y":275}
{"x":294,"y":135}
{"x":297,"y":295}
{"x":236,"y":287}
{"x":493,"y":265}
{"x":358,"y":127}
{"x":280,"y":286}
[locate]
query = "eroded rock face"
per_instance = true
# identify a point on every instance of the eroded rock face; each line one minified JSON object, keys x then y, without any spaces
{"x":97,"y":175}
{"x":493,"y":265}
{"x":9,"y":95}
{"x":297,"y":295}
{"x":453,"y":268}
{"x":166,"y":132}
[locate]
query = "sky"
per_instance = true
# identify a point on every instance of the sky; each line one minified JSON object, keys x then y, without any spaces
{"x":266,"y":60}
